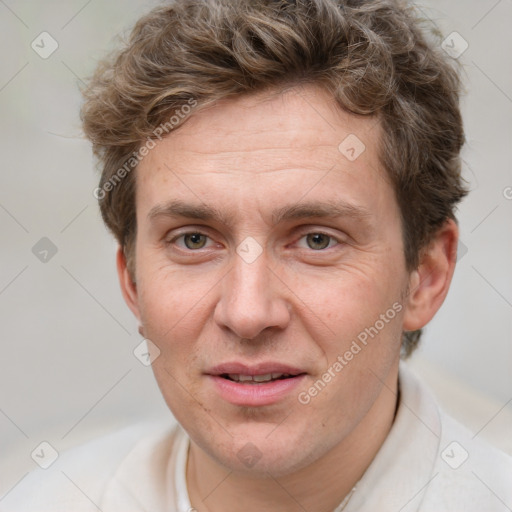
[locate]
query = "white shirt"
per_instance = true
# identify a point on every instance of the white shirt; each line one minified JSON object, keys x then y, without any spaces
{"x":428,"y":463}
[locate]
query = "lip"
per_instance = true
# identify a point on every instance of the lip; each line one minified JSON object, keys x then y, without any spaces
{"x":254,"y":369}
{"x":254,"y":395}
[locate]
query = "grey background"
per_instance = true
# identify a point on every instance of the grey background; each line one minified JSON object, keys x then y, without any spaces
{"x":67,"y":367}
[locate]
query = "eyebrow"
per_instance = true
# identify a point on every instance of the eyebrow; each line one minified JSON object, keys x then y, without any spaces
{"x":297,"y":211}
{"x":178,"y":208}
{"x":330,"y":209}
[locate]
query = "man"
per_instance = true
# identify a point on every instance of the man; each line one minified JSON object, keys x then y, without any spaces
{"x":281,"y":177}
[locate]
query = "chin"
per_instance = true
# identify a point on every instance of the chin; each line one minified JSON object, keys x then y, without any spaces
{"x":259,"y":449}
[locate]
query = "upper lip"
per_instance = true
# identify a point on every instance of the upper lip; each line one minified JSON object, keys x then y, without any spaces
{"x":253,"y":369}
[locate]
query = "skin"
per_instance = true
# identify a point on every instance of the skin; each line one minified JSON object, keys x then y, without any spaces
{"x":249,"y":158}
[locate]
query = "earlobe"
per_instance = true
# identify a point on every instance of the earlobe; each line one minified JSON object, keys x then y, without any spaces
{"x":430,"y":282}
{"x":128,"y":287}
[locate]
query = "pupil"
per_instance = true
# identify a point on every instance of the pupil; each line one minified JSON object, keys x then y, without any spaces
{"x":318,"y":241}
{"x":195,"y":241}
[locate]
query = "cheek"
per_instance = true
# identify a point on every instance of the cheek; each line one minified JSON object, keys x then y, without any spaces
{"x":173,"y":304}
{"x":345,"y":303}
{"x":359,"y":322}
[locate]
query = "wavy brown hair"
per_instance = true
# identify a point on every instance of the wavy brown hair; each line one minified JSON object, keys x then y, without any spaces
{"x":373,"y":57}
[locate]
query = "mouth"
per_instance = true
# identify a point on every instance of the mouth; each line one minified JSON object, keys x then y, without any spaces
{"x":257,"y":379}
{"x":255,"y":385}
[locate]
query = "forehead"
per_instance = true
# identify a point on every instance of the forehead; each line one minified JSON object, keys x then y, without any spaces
{"x":283,"y":145}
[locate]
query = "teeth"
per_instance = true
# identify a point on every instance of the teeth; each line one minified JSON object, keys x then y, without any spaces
{"x":262,"y":378}
{"x":267,"y":377}
{"x":243,"y":378}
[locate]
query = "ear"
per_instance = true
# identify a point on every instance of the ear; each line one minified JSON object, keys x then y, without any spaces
{"x":429,"y":283}
{"x":128,"y":287}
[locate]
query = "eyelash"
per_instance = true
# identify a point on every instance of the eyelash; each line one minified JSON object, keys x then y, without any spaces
{"x":303,"y":236}
{"x":183,"y":235}
{"x":331,"y":239}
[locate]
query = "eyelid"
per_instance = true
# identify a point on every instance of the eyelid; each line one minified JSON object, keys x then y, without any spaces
{"x":313,"y":229}
{"x":202,"y":230}
{"x":320,"y":232}
{"x":185,"y":232}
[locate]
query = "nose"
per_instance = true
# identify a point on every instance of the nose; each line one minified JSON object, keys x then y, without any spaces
{"x":252,"y":299}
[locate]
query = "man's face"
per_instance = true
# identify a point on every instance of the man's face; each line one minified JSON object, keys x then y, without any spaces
{"x":262,"y":248}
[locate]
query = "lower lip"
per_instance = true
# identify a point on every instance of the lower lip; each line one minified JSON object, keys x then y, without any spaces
{"x":252,"y":395}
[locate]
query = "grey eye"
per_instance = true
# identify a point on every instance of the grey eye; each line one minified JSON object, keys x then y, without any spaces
{"x":194,"y":240}
{"x":318,"y":241}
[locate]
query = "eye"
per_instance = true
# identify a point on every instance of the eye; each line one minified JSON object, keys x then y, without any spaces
{"x":192,"y":241}
{"x":319,"y":241}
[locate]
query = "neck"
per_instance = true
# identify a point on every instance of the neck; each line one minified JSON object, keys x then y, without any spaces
{"x":213,"y":488}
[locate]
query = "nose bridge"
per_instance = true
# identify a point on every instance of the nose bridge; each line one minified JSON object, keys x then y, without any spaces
{"x":249,"y":285}
{"x":250,"y":300}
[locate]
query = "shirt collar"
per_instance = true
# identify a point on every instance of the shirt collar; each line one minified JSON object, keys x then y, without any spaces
{"x":402,"y":470}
